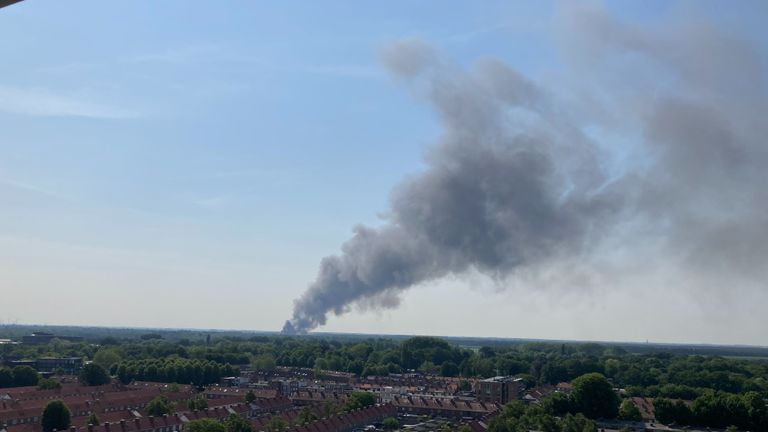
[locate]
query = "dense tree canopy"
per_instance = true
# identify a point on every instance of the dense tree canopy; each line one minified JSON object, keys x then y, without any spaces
{"x":198,"y":403}
{"x":197,"y":372}
{"x":205,"y":425}
{"x":25,"y":376}
{"x":306,"y":415}
{"x":629,"y":411}
{"x":107,"y":357}
{"x":235,"y":423}
{"x":159,"y":406}
{"x":593,"y":395}
{"x":358,"y":400}
{"x":716,"y":409}
{"x":94,"y":375}
{"x":6,"y":377}
{"x":56,"y":416}
{"x":48,"y":384}
{"x":518,"y":417}
{"x":390,"y":423}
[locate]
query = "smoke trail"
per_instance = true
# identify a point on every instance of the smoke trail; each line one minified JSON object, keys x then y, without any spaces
{"x":514,"y":181}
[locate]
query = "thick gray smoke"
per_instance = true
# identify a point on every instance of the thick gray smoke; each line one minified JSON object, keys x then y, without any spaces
{"x":652,"y":137}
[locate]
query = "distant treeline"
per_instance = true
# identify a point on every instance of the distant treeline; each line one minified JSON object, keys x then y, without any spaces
{"x":652,"y":374}
{"x":173,"y":370}
{"x":156,"y":357}
{"x":99,"y":334}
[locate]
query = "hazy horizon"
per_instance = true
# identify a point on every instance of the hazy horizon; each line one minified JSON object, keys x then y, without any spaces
{"x":321,"y":333}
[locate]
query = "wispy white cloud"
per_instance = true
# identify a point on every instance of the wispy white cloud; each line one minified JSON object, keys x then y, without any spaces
{"x":186,"y":54}
{"x":213,"y":201}
{"x":17,"y":186}
{"x":345,"y":70}
{"x":527,"y":25}
{"x":42,"y":102}
{"x":24,"y":186}
{"x":200,"y":53}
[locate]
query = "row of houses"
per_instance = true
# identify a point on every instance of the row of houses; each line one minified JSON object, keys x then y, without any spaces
{"x":18,"y":411}
{"x":443,"y":407}
{"x":344,"y":422}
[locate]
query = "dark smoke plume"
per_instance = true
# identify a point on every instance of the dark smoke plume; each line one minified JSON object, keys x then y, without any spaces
{"x":516,"y":180}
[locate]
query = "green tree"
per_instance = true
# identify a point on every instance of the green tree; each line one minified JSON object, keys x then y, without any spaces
{"x":6,"y":377}
{"x":198,"y":403}
{"x":666,"y":411}
{"x":306,"y":415}
{"x":94,"y":375}
{"x":205,"y":425}
{"x":577,"y":423}
{"x":449,"y":369}
{"x":106,"y":357}
{"x":250,"y":397}
{"x":391,"y":423}
{"x":757,"y":411}
{"x":48,"y":384}
{"x":25,"y":376}
{"x":263,"y":362}
{"x":159,"y":406}
{"x":318,"y":372}
{"x":593,"y":396}
{"x":429,"y":368}
{"x":56,"y":416}
{"x":235,"y":423}
{"x":556,"y":404}
{"x":93,"y":419}
{"x":276,"y":424}
{"x":330,"y":408}
{"x":358,"y":400}
{"x":629,"y":411}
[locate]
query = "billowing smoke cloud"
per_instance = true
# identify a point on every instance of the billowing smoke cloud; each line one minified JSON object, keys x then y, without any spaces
{"x":651,"y":137}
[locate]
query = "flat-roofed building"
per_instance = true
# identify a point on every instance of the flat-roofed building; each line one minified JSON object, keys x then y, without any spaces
{"x":499,"y":390}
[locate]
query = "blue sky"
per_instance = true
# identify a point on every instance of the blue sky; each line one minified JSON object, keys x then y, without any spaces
{"x":187,"y":163}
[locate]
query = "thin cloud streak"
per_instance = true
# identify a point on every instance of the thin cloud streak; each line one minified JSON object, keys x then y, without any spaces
{"x":41,"y":102}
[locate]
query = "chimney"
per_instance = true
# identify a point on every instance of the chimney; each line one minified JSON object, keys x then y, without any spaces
{"x":106,"y":426}
{"x":137,"y":422}
{"x":90,"y":428}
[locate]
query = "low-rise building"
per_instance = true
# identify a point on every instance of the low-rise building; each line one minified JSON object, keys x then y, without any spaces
{"x":41,"y":338}
{"x":500,"y":389}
